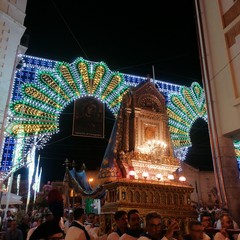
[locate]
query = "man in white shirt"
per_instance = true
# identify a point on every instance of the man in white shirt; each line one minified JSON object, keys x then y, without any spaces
{"x":227,"y":223}
{"x":120,"y":218}
{"x":206,"y":221}
{"x":68,"y":222}
{"x":219,"y":225}
{"x":196,"y":231}
{"x":154,"y":227}
{"x":77,"y":230}
{"x":94,"y":229}
{"x":134,"y":231}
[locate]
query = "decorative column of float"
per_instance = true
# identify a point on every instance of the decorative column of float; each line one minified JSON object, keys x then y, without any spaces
{"x":126,"y":130}
{"x":132,"y":122}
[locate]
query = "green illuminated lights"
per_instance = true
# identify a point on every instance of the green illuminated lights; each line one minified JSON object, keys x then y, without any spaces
{"x":41,"y":102}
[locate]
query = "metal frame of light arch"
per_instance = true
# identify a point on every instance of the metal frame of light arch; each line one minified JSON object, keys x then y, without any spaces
{"x":178,"y":97}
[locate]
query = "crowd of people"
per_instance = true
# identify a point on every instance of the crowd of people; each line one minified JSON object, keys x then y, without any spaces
{"x":55,"y":223}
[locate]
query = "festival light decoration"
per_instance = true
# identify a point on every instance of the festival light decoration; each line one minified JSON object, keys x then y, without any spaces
{"x":18,"y":183}
{"x":151,"y":146}
{"x":17,"y":157}
{"x":31,"y":169}
{"x":182,"y":178}
{"x":36,"y":179}
{"x":145,"y":175}
{"x":159,"y":176}
{"x":43,"y":88}
{"x":183,"y":110}
{"x":37,"y":103}
{"x":42,"y":101}
{"x":39,"y":180}
{"x":132,"y":173}
{"x":237,"y":151}
{"x":170,"y":177}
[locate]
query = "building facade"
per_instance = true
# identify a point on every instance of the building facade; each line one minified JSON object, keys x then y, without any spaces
{"x":12,"y":15}
{"x":218,"y":23}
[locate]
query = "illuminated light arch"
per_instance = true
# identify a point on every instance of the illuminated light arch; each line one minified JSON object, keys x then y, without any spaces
{"x":42,"y":101}
{"x":183,"y":110}
{"x":43,"y":88}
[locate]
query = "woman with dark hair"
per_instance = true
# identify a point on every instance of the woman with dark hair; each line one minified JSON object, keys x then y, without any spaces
{"x":51,"y":229}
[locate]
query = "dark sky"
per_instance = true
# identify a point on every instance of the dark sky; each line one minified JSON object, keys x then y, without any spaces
{"x":128,"y":38}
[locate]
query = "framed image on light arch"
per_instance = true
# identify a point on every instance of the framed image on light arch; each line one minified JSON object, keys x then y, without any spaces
{"x":88,"y":118}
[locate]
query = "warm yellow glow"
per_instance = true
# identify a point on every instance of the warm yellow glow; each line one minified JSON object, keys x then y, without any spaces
{"x":68,"y":77}
{"x":33,"y":128}
{"x":35,"y":93}
{"x":132,"y":173}
{"x":24,"y":109}
{"x":82,"y":67}
{"x":90,"y":180}
{"x":151,"y":146}
{"x":115,"y":81}
{"x":159,"y":176}
{"x":170,"y":177}
{"x":182,"y":179}
{"x":100,"y":71}
{"x":50,"y":82}
{"x":145,"y":174}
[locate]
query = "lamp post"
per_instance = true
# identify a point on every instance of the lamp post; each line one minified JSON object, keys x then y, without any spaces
{"x":66,"y":181}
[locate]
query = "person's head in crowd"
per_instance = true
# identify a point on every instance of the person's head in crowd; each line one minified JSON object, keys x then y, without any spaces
{"x":153,"y":224}
{"x":13,"y":224}
{"x":37,"y":221}
{"x":120,"y":218}
{"x":79,"y":215}
{"x":134,"y":219}
{"x":226,"y":221}
{"x":9,"y":214}
{"x":65,"y":213}
{"x":90,"y":218}
{"x":70,"y":216}
{"x":55,"y":203}
{"x":196,"y":230}
{"x":51,"y":228}
{"x":48,"y":216}
{"x":96,"y":221}
{"x":205,"y":219}
{"x":217,"y":214}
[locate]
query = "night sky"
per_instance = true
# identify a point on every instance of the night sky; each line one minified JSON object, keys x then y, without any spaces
{"x":129,"y":39}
